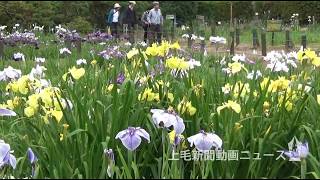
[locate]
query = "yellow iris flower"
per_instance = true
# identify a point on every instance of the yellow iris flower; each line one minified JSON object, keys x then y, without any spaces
{"x":61,"y":137}
{"x":93,"y":62}
{"x":13,"y":86}
{"x":241,"y":89}
{"x":147,"y":95}
{"x":33,"y":101}
{"x":160,"y":82}
{"x":163,"y":48}
{"x":10,"y":104}
{"x":236,"y":67}
{"x":177,"y":63}
{"x":132,"y":53}
{"x":169,"y":96}
{"x":152,"y":50}
{"x":29,"y":111}
{"x":57,"y":114}
{"x":76,"y":73}
{"x":172,"y":135}
{"x":230,"y":105}
{"x":318,"y":99}
{"x":186,"y":106}
{"x":306,"y":55}
{"x":23,"y":84}
{"x":175,"y":45}
{"x":237,"y":126}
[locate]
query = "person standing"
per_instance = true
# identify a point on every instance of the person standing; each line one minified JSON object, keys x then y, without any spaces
{"x":155,"y":20}
{"x":113,"y":20}
{"x":130,"y":20}
{"x":145,"y":24}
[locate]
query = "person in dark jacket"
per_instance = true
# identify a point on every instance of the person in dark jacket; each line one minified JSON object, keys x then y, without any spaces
{"x":145,"y":24}
{"x":113,"y":20}
{"x":130,"y":20}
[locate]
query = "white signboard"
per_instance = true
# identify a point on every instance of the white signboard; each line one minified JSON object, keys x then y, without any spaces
{"x":170,"y":17}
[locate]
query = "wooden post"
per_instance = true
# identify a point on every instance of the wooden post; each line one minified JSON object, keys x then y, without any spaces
{"x":202,"y":46}
{"x":304,"y":41}
{"x":254,"y":38}
{"x":230,"y":15}
{"x":1,"y":49}
{"x":272,"y":39}
{"x":78,"y":46}
{"x":36,"y":46}
{"x":213,"y":28}
{"x":313,"y":20}
{"x":263,"y":43}
{"x":232,"y":43}
{"x":163,"y":32}
{"x":172,"y":30}
{"x":237,"y":36}
{"x":125,"y":29}
{"x":189,"y":39}
{"x":167,"y":32}
{"x":68,"y":44}
{"x":288,"y":43}
{"x":170,"y":19}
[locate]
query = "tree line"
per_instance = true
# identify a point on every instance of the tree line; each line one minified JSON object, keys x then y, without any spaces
{"x":88,"y":15}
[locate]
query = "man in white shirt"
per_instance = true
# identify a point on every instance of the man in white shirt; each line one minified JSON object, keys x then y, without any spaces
{"x":155,"y":20}
{"x":113,"y":20}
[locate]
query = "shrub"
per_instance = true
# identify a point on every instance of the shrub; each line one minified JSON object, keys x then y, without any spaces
{"x":80,"y":24}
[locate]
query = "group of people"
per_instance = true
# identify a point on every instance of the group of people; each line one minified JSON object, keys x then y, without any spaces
{"x":151,"y":21}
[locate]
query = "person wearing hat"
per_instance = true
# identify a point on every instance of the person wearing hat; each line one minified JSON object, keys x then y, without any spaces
{"x":113,"y":20}
{"x":155,"y":19}
{"x":130,"y":20}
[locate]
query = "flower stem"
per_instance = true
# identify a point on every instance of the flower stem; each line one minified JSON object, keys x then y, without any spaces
{"x":303,"y":168}
{"x":164,"y":154}
{"x":130,"y":160}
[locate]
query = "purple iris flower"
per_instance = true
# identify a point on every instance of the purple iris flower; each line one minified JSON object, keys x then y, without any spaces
{"x":109,"y":153}
{"x":196,"y":47}
{"x":97,"y":37}
{"x":205,"y":141}
{"x":6,"y":158}
{"x":131,"y":137}
{"x":111,"y":52}
{"x":159,"y":68}
{"x":33,"y":159}
{"x":181,"y":53}
{"x":31,"y":156}
{"x":120,"y":78}
{"x":72,"y":36}
{"x":18,"y":57}
{"x":7,"y":112}
{"x":23,"y":38}
{"x":168,"y":118}
{"x":301,"y":152}
{"x":178,"y":139}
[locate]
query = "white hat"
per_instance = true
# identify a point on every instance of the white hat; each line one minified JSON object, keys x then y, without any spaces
{"x":132,"y":2}
{"x":116,"y":5}
{"x":155,"y":2}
